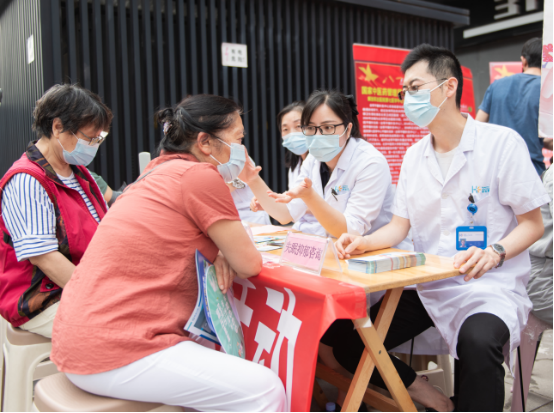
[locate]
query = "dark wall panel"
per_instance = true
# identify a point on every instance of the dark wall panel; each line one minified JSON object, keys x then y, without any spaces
{"x":21,"y":82}
{"x":141,"y":55}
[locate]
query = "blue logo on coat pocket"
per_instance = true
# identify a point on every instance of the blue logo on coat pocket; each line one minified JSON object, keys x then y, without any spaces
{"x":341,"y":189}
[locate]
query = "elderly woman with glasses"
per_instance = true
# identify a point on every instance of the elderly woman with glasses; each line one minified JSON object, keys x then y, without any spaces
{"x":50,"y":206}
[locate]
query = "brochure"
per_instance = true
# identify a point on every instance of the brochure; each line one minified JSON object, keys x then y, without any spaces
{"x":215,"y":316}
{"x":269,"y":243}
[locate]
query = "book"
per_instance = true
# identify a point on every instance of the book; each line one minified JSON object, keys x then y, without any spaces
{"x":215,"y":315}
{"x":386,"y":262}
{"x":269,"y":242}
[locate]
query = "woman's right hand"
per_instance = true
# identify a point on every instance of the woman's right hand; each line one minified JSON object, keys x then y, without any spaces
{"x":349,"y":244}
{"x":224,"y":272}
{"x":250,"y":171}
{"x":255,"y":206}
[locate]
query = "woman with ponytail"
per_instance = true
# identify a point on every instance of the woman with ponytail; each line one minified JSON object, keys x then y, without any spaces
{"x":119,"y":331}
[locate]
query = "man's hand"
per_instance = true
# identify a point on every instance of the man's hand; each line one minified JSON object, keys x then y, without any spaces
{"x":481,"y":261}
{"x":250,"y":171}
{"x":349,"y":244}
{"x":225,"y":274}
{"x":255,"y":206}
{"x":300,"y":191}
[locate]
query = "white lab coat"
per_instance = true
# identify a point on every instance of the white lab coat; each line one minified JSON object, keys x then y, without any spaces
{"x":493,"y":163}
{"x":363,"y":184}
{"x":242,"y":198}
{"x":294,"y":174}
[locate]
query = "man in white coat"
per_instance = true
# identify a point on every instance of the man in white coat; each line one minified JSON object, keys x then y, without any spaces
{"x":467,"y":190}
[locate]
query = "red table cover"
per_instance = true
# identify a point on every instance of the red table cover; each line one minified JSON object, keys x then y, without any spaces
{"x":284,"y":313}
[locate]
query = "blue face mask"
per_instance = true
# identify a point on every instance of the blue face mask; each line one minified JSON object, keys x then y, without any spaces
{"x":324,"y":147}
{"x":232,"y":169}
{"x":296,"y":143}
{"x":83,"y":154}
{"x":418,"y":106}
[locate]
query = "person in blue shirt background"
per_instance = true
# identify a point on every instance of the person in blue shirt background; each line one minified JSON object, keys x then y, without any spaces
{"x":514,"y":102}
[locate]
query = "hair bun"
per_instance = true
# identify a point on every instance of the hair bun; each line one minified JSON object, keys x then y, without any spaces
{"x":165,"y":115}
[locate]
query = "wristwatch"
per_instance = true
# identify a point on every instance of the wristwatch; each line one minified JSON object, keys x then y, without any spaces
{"x":499,"y":249}
{"x":237,"y":183}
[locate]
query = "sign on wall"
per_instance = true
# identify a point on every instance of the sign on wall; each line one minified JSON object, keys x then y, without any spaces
{"x":234,"y":55}
{"x":382,"y":119}
{"x":498,"y":70}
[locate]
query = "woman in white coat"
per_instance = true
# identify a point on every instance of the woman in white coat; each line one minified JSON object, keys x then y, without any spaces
{"x":344,"y":184}
{"x":294,"y":143}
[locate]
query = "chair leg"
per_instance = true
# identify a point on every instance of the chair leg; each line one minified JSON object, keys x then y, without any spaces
{"x":20,"y":364}
{"x":526,"y":355}
{"x":443,"y":361}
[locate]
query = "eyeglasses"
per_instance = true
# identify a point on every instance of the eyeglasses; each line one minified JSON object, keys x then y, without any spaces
{"x":412,"y":90}
{"x":324,"y":130}
{"x":93,"y":141}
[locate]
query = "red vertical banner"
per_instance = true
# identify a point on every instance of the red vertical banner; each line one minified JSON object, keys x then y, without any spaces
{"x":382,"y":119}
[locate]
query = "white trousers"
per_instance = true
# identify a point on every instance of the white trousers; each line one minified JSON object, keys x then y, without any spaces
{"x":191,"y":375}
{"x":42,"y":324}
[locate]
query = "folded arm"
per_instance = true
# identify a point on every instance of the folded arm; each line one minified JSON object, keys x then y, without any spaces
{"x":55,"y":265}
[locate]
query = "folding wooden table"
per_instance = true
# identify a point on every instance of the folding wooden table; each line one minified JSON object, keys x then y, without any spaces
{"x":373,"y":334}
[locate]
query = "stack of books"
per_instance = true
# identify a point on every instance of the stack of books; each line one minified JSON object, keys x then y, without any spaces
{"x":269,"y":242}
{"x":386,"y":262}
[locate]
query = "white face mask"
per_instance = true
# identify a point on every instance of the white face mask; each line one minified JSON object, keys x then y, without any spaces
{"x":324,"y":147}
{"x":418,"y":107}
{"x":232,"y":169}
{"x":83,"y":154}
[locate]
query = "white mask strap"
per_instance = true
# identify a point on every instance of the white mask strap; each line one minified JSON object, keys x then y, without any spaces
{"x":439,"y":85}
{"x":215,"y":160}
{"x":221,"y":140}
{"x":225,"y":143}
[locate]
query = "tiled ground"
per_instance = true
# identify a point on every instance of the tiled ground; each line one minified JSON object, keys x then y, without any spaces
{"x":540,"y":392}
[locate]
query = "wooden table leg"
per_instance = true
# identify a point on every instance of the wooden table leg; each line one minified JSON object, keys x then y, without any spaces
{"x":376,"y":357}
{"x":359,"y":384}
{"x":390,"y":376}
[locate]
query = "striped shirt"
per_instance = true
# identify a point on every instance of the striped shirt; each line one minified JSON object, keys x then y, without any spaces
{"x":30,"y":217}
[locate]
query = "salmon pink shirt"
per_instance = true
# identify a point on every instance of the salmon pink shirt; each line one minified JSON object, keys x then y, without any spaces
{"x":136,"y":286}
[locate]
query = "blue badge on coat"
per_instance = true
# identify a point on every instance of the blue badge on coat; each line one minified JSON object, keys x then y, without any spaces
{"x":472,"y":236}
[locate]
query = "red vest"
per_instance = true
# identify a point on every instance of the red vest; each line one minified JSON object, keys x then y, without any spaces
{"x":25,"y":291}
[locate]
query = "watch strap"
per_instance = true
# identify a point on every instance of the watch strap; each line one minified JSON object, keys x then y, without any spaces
{"x":502,"y":255}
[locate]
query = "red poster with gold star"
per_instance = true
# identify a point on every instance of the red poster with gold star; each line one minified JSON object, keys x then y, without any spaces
{"x":498,"y":70}
{"x":382,"y":119}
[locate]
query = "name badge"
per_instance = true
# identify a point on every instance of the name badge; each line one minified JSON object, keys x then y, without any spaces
{"x":472,"y":236}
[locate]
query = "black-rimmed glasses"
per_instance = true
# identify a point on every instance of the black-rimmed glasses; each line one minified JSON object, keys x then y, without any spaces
{"x":412,"y":90}
{"x":310,"y":130}
{"x":93,"y":141}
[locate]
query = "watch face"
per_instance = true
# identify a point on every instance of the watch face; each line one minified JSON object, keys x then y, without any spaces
{"x":237,"y":183}
{"x":499,"y":248}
